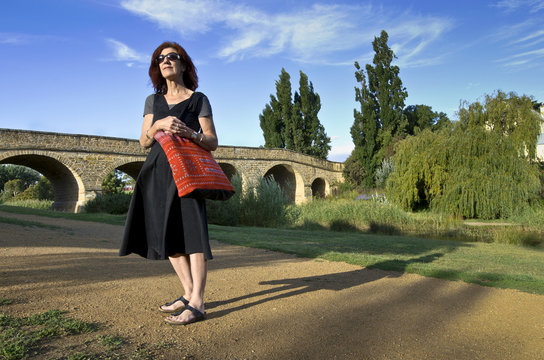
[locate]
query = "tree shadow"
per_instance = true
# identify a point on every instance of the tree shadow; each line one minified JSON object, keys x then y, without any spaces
{"x":285,"y":288}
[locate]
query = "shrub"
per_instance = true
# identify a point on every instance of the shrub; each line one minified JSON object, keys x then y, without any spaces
{"x":109,"y":203}
{"x":260,"y":204}
{"x":350,"y":215}
{"x":226,"y":212}
{"x":383,"y":172}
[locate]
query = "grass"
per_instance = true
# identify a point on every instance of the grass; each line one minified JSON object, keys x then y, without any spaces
{"x":21,"y":337}
{"x":490,"y":264}
{"x":26,"y":223}
{"x":98,"y":217}
{"x":50,"y":334}
{"x":496,"y":265}
{"x":31,"y":203}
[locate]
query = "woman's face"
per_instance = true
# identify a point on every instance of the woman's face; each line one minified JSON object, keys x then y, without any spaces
{"x":170,"y":68}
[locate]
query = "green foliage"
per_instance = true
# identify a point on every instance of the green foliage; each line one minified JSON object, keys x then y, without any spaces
{"x":354,"y":171}
{"x":227,"y":212}
{"x":45,"y":189}
{"x":383,"y":172}
{"x":113,"y":183}
{"x":30,"y":203}
{"x":30,"y":192}
{"x":350,"y":215}
{"x":11,"y":172}
{"x":421,"y":117}
{"x":111,"y":342}
{"x":475,"y":169}
{"x":294,"y":125}
{"x":40,"y":191}
{"x":505,"y":114}
{"x":110,"y":203}
{"x":260,"y":204}
{"x":380,"y":119}
{"x":308,"y":133}
{"x":13,"y":188}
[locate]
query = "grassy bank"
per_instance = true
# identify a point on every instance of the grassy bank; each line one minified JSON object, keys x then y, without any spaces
{"x":95,"y":217}
{"x":489,"y":264}
{"x":496,"y":265}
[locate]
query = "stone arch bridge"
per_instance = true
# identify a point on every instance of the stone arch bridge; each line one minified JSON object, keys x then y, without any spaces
{"x":76,"y":165}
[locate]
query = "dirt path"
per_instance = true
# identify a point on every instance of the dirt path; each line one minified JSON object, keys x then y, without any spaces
{"x":261,"y":304}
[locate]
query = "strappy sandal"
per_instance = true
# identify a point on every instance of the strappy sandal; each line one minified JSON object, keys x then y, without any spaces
{"x":182,"y":299}
{"x":199,"y":316}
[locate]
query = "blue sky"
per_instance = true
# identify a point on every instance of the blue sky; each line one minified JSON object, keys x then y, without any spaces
{"x":80,"y":66}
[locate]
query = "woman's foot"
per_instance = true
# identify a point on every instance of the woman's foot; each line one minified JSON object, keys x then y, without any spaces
{"x":172,"y":307}
{"x":187,"y":315}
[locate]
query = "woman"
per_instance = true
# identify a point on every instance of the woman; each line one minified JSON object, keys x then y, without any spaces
{"x":159,"y":224}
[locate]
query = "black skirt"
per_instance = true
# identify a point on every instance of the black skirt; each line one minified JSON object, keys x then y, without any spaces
{"x":159,"y":223}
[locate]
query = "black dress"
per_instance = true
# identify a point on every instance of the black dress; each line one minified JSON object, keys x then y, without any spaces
{"x":159,"y":223}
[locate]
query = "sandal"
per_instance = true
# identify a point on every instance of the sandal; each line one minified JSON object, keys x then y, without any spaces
{"x":198,"y":316}
{"x":182,"y":299}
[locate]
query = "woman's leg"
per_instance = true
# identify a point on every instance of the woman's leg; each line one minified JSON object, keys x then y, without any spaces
{"x":198,"y":271}
{"x":181,"y":264}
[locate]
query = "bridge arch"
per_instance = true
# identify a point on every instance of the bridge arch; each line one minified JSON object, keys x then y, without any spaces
{"x":229,"y":169}
{"x":289,"y":180}
{"x":320,"y":188}
{"x":130,"y":167}
{"x":67,"y":184}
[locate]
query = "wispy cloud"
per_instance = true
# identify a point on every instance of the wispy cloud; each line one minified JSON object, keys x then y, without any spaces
{"x":512,"y":5}
{"x":8,"y":38}
{"x":317,"y":34}
{"x":122,"y":52}
{"x":522,"y":41}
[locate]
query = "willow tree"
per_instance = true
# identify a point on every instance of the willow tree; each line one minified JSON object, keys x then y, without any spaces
{"x":480,"y":167}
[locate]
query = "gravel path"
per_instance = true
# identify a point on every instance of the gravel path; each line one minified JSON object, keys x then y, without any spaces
{"x":261,"y":304}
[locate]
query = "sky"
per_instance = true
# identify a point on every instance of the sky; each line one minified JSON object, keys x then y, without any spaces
{"x":80,"y":66}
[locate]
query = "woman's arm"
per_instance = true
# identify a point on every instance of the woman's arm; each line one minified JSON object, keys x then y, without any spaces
{"x":146,"y":136}
{"x":208,"y":138}
{"x":169,"y":124}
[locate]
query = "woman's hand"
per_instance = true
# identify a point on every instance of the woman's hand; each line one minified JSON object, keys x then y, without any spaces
{"x":173,"y":125}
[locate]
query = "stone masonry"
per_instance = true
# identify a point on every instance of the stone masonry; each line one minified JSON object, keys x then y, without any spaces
{"x":76,"y":165}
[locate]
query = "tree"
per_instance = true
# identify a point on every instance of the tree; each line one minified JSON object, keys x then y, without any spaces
{"x":112,"y":184}
{"x":476,"y":168}
{"x":506,"y":114}
{"x":380,"y":119}
{"x":11,"y":172}
{"x":294,"y":125}
{"x":421,"y":117}
{"x":277,"y":115}
{"x":309,"y":134}
{"x":14,"y":187}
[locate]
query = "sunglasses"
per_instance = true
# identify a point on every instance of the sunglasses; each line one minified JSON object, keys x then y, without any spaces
{"x":172,"y":57}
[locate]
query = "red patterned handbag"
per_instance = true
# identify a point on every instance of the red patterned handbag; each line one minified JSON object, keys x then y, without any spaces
{"x":195,"y":171}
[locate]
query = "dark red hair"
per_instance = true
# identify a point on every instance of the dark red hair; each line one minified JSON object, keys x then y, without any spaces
{"x":190,"y":79}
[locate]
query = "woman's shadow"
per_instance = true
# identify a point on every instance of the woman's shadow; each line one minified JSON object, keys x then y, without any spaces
{"x":336,"y":282}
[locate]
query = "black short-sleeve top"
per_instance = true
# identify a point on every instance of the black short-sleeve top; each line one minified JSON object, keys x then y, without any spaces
{"x":205,"y":110}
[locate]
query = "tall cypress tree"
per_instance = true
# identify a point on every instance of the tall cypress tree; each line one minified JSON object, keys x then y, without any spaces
{"x":295,"y":125}
{"x":311,"y":136}
{"x":381,"y":118}
{"x":276,"y":117}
